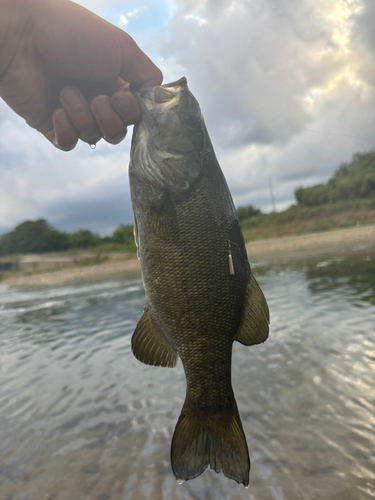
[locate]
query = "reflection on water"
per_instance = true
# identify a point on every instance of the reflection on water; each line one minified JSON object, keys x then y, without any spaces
{"x":80,"y":418}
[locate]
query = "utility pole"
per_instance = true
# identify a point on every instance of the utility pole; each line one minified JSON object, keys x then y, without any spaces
{"x":271,"y":191}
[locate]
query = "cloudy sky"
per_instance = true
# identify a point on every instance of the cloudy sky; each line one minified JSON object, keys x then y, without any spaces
{"x":287,"y":88}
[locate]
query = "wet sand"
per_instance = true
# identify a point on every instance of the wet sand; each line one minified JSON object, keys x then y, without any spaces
{"x":274,"y":250}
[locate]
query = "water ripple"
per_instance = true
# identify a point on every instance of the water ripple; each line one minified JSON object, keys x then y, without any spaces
{"x":81,"y":418}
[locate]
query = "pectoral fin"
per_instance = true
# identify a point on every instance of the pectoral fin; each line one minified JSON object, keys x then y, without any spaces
{"x":150,"y":346}
{"x":255,"y":317}
{"x":162,"y":218}
{"x":164,"y":224}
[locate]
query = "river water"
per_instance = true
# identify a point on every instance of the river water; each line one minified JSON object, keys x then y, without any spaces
{"x":81,"y":418}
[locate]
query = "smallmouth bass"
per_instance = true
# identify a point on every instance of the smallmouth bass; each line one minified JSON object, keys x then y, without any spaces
{"x":201,"y":294}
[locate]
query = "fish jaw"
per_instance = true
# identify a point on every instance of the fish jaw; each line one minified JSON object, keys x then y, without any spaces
{"x":171,"y":139}
{"x":161,"y":98}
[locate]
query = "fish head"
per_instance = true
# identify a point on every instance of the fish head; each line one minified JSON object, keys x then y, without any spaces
{"x":169,"y":139}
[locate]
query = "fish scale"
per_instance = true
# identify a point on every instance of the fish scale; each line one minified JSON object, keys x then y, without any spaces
{"x":201,"y":295}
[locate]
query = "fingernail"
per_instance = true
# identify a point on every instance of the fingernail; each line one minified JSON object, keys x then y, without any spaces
{"x":118,"y":139}
{"x":123,"y":102}
{"x":65,"y":136}
{"x":103,"y":108}
{"x":71,"y":98}
{"x":66,"y":149}
{"x":50,"y":135}
{"x":57,"y":120}
{"x":56,"y":144}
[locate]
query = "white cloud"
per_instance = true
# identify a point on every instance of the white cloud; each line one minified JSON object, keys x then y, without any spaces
{"x":198,"y":20}
{"x":123,"y":20}
{"x":136,"y":11}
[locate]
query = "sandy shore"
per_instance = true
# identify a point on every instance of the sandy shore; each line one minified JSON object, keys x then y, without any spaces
{"x":291,"y":248}
{"x":130,"y":267}
{"x":275,"y":250}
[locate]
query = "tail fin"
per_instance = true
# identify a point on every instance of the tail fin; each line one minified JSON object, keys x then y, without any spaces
{"x":215,"y":440}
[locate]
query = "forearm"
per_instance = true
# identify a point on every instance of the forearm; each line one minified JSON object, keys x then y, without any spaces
{"x":14,"y":19}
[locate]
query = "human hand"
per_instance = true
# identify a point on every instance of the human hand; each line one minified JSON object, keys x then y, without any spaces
{"x":66,"y":71}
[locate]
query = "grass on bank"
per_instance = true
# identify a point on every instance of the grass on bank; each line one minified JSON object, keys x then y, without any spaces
{"x":297,"y":220}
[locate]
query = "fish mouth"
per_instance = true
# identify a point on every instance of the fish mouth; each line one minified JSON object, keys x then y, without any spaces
{"x":149,"y":98}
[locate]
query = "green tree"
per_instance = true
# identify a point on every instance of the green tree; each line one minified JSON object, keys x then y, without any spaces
{"x":83,"y":238}
{"x":33,"y":237}
{"x":123,"y":235}
{"x":247,"y":212}
{"x":312,"y":196}
{"x":350,"y":181}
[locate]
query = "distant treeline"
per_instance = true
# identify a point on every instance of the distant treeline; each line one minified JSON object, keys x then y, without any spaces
{"x":350,"y":181}
{"x":40,"y":236}
{"x":247,"y":212}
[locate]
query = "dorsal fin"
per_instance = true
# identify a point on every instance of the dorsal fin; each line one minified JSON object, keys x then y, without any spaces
{"x":255,"y":316}
{"x":150,"y":346}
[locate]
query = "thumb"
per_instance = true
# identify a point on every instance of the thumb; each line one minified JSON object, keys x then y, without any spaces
{"x":136,"y":66}
{"x":77,"y":44}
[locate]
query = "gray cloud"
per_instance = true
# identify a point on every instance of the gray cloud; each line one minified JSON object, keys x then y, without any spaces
{"x":102,"y":211}
{"x":256,"y":64}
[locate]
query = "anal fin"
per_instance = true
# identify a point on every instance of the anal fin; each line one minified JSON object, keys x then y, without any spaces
{"x":150,"y":346}
{"x":255,"y":316}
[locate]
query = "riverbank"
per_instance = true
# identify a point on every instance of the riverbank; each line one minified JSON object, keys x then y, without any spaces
{"x":128,"y":267}
{"x":298,"y":220}
{"x":335,"y":243}
{"x":273,"y":250}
